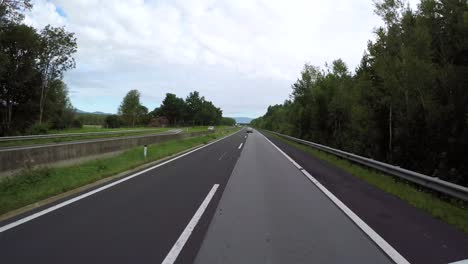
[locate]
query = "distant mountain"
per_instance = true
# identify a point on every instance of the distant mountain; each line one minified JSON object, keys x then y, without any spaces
{"x":100,"y":113}
{"x":78,"y":111}
{"x":243,"y":120}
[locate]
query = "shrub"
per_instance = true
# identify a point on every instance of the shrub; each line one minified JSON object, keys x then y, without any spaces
{"x":39,"y":129}
{"x":113,"y":121}
{"x":77,"y":123}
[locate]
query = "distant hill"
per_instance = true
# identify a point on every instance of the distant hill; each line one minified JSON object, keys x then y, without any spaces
{"x":100,"y":113}
{"x":243,"y":120}
{"x":78,"y":111}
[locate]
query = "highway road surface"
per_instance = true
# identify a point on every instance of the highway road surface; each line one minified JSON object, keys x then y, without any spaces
{"x":237,"y":200}
{"x":271,"y":213}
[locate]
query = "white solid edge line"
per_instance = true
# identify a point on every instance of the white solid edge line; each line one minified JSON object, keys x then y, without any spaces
{"x":67,"y":202}
{"x":180,"y":243}
{"x":378,"y":240}
{"x":240,"y":146}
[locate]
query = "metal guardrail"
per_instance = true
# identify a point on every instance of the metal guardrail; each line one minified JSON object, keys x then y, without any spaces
{"x":436,"y":184}
{"x":15,"y":138}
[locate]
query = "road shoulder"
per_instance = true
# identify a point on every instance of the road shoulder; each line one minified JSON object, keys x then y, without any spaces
{"x":417,"y":235}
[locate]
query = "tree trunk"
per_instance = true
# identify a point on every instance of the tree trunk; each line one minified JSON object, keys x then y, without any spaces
{"x":390,"y":135}
{"x":42,"y":100}
{"x":10,"y":114}
{"x":41,"y":105}
{"x":45,"y":83}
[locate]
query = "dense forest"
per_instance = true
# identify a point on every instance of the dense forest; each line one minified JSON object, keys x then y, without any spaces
{"x":33,"y":96}
{"x":405,"y":104}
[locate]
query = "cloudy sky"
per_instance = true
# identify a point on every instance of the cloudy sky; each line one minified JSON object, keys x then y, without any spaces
{"x":241,"y":54}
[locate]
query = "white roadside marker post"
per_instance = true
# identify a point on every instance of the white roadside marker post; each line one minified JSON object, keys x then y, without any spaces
{"x":145,"y":150}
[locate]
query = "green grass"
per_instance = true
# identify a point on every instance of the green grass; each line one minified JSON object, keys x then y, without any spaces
{"x":451,"y":211}
{"x":202,"y":128}
{"x":77,"y":138}
{"x":146,"y":130}
{"x":95,"y":128}
{"x":31,"y":186}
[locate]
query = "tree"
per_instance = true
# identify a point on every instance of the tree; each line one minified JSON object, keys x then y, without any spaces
{"x":194,"y":106}
{"x":112,"y":121}
{"x":55,"y":57}
{"x":11,"y":10}
{"x":143,"y":116}
{"x":227,"y":121}
{"x":18,"y":75}
{"x":407,"y":101}
{"x":173,"y":109}
{"x":59,"y":110}
{"x":209,"y":114}
{"x":31,"y":69}
{"x":130,"y":108}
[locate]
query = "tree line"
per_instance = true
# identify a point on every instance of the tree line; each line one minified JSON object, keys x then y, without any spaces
{"x":33,"y":96}
{"x":195,"y":110}
{"x":405,"y":104}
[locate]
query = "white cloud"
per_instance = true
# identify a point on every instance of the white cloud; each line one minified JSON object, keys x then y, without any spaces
{"x":259,"y":46}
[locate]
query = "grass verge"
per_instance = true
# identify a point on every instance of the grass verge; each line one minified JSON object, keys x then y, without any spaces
{"x":451,"y":211}
{"x":90,"y":128}
{"x":31,"y":186}
{"x":202,"y":128}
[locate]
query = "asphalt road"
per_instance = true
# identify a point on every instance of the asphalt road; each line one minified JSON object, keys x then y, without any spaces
{"x":239,"y":200}
{"x":271,"y":213}
{"x":414,"y":233}
{"x":136,"y":221}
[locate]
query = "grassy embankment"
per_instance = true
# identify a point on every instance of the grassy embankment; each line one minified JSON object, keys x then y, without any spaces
{"x":31,"y":186}
{"x":450,"y":211}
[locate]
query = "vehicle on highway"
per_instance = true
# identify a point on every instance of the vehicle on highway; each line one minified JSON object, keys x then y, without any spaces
{"x":249,"y":130}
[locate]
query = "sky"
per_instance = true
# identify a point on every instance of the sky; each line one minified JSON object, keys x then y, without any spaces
{"x":243,"y":55}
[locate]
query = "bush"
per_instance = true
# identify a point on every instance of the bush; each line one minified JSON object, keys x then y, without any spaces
{"x":91,"y":119}
{"x":39,"y":129}
{"x":77,"y":123}
{"x":227,"y":121}
{"x":113,"y":121}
